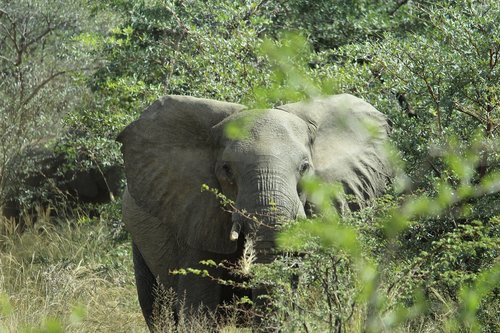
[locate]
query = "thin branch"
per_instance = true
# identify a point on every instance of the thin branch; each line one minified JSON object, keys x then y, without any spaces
{"x":478,"y":99}
{"x":252,"y":11}
{"x":460,"y":108}
{"x":4,"y":12}
{"x":436,"y":170}
{"x":41,"y":85}
{"x":96,"y":162}
{"x":353,"y":304}
{"x":7,"y":59}
{"x":435,"y":99}
{"x":184,"y":32}
{"x":495,"y":128}
{"x":39,"y":37}
{"x":399,"y":4}
{"x":20,"y":80}
{"x":184,"y":28}
{"x":494,"y":57}
{"x":13,"y":37}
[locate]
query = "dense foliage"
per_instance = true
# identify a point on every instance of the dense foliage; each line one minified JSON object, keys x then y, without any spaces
{"x":422,"y":258}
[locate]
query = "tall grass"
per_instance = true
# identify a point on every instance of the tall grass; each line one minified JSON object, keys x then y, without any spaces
{"x":75,"y":273}
{"x":62,"y":275}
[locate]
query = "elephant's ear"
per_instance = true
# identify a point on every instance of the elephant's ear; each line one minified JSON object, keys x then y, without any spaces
{"x":348,"y":143}
{"x":169,"y":155}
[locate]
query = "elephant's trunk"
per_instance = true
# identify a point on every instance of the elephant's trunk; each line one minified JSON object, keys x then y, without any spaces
{"x":267,"y":200}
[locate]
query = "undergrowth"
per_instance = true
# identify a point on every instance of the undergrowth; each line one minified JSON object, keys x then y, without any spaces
{"x":76,"y":275}
{"x":64,"y":276}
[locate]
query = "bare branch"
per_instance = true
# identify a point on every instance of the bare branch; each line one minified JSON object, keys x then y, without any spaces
{"x":41,"y":85}
{"x":4,"y":12}
{"x":7,"y":59}
{"x":39,"y":37}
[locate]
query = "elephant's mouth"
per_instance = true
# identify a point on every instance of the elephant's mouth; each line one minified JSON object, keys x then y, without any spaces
{"x":261,"y":232}
{"x":262,"y":228}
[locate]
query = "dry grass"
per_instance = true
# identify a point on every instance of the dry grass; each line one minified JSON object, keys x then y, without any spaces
{"x":74,"y":278}
{"x":78,"y":275}
{"x":192,"y":321}
{"x":71,"y":272}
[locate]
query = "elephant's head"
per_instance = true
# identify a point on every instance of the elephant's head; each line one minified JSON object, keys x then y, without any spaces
{"x":178,"y":144}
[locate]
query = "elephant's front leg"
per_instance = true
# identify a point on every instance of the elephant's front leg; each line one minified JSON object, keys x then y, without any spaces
{"x":197,"y":291}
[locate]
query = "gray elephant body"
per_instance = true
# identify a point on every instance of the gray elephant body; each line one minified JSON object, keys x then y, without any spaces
{"x":44,"y":175}
{"x":179,"y":143}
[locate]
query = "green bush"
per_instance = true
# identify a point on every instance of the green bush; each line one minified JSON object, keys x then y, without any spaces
{"x":422,"y":258}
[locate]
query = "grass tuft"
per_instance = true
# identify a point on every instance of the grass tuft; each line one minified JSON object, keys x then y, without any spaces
{"x":71,"y":274}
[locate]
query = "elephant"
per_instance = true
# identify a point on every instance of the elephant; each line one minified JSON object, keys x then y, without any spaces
{"x":179,"y":143}
{"x":41,"y":176}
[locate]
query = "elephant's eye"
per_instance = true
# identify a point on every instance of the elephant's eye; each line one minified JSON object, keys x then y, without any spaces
{"x":304,"y":167}
{"x":227,"y":170}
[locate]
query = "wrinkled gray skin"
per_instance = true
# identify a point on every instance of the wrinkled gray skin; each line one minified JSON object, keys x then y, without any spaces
{"x":178,"y":144}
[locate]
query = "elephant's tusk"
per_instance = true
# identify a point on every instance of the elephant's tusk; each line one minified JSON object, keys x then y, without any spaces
{"x":235,"y":231}
{"x":234,"y":236}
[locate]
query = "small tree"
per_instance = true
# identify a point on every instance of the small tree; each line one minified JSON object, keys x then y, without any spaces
{"x":42,"y":57}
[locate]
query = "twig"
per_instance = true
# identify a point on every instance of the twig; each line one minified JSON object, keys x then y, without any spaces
{"x":94,"y":159}
{"x":43,"y":84}
{"x":184,"y":32}
{"x":460,"y":108}
{"x":436,"y":170}
{"x":230,"y":207}
{"x":399,"y":4}
{"x":353,"y":304}
{"x":250,"y":12}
